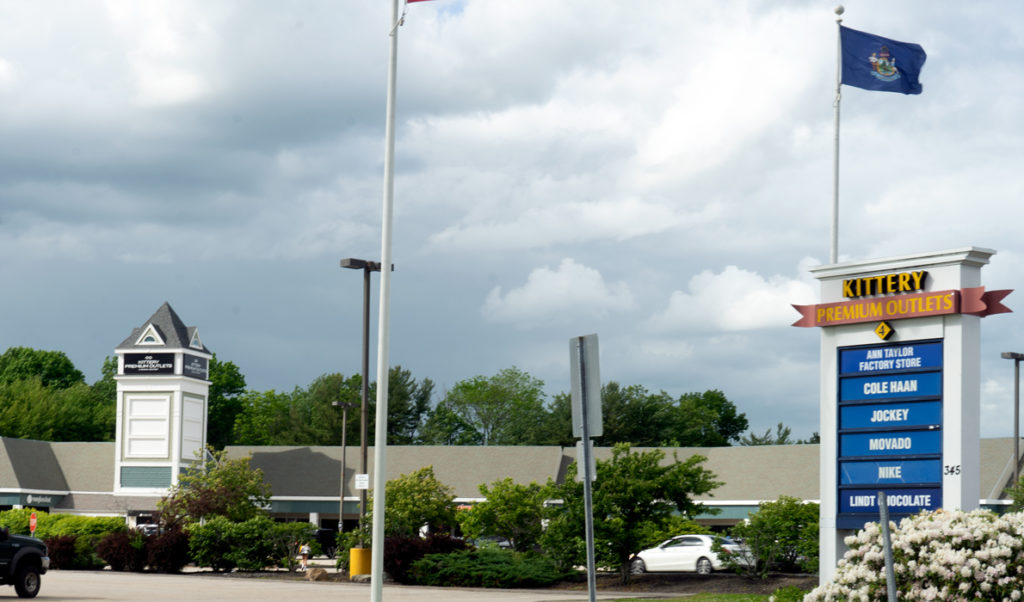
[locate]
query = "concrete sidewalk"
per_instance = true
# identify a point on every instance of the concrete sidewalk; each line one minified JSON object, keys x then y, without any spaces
{"x":202,"y":587}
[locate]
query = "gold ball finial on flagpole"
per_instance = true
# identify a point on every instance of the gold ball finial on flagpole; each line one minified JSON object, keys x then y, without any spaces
{"x":840,"y":10}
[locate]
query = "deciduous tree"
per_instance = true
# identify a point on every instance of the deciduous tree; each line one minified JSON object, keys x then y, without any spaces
{"x":227,"y":384}
{"x":635,"y":416}
{"x":780,"y":437}
{"x":445,"y":427}
{"x":216,"y":486}
{"x":510,"y":510}
{"x":506,"y":409}
{"x":781,"y":536}
{"x":708,"y":419}
{"x":53,"y":368}
{"x":31,"y":410}
{"x":408,"y":405}
{"x":635,"y":494}
{"x":412,"y":502}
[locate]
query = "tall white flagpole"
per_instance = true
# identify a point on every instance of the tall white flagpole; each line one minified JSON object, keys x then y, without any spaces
{"x":380,"y":441}
{"x":834,"y":254}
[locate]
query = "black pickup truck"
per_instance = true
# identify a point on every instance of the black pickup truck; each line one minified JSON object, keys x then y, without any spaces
{"x":22,"y":560}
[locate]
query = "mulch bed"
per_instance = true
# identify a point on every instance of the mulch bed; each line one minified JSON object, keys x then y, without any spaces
{"x":668,"y":583}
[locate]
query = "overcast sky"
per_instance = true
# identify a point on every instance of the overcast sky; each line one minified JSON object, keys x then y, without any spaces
{"x":656,"y":172}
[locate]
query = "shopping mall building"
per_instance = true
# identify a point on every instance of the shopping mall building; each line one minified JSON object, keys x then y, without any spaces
{"x":161,"y":424}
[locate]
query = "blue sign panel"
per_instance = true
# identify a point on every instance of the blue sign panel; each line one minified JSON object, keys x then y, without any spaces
{"x":893,"y":386}
{"x":881,"y":415}
{"x":891,"y":443}
{"x":899,"y":501}
{"x":891,"y":397}
{"x":890,"y":472}
{"x":866,"y":360}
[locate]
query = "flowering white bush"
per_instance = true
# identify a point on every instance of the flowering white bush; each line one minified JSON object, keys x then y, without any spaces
{"x":941,"y":555}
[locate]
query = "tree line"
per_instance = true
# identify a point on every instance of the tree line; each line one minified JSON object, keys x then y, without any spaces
{"x":43,"y":396}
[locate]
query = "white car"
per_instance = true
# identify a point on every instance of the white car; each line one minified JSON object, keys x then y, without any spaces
{"x":684,"y":553}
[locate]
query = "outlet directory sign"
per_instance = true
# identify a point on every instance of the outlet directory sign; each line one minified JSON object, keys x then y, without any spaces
{"x":889,"y":430}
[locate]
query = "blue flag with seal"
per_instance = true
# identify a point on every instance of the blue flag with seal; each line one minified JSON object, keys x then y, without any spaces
{"x":875,"y":63}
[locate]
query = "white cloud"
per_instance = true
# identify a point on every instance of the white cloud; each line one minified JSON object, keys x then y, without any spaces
{"x":572,"y":289}
{"x":164,"y":43}
{"x":734,"y":300}
{"x":570,"y":222}
{"x":6,"y":72}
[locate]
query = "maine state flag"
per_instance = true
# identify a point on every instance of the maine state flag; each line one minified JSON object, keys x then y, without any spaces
{"x":875,"y":63}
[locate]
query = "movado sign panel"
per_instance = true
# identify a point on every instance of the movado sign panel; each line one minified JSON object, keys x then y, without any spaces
{"x":898,"y":443}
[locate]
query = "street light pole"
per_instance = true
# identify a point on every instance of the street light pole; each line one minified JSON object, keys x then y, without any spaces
{"x":344,"y":459}
{"x":367,"y":267}
{"x":1016,"y":357}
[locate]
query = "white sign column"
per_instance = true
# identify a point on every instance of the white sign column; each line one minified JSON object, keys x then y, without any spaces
{"x":869,"y":436}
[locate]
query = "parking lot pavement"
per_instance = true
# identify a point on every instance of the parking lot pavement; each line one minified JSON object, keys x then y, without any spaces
{"x":93,"y":586}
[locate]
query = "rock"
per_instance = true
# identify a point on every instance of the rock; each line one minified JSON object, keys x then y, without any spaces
{"x":317,"y":574}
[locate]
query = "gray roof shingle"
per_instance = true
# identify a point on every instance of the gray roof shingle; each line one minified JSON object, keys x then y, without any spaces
{"x":170,"y":327}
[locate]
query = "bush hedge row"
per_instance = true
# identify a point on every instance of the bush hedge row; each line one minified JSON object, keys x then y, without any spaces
{"x":89,"y":543}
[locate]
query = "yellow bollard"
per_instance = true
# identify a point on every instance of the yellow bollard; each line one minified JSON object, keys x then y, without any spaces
{"x":359,"y":560}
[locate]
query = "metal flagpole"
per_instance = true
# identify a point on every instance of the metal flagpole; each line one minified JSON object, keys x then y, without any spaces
{"x":381,"y":431}
{"x":834,"y":253}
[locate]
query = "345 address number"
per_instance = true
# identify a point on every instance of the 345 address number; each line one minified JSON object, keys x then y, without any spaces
{"x":953,"y":469}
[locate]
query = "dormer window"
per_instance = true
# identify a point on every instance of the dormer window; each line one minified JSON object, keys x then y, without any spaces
{"x":195,"y":343}
{"x":150,"y":336}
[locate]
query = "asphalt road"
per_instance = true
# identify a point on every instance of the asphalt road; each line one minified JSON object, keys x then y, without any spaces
{"x":93,"y":586}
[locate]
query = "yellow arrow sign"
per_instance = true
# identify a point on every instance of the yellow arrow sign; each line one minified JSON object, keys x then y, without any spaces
{"x":884,"y":331}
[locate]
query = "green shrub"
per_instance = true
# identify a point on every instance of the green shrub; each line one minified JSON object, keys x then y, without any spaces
{"x":781,"y":536}
{"x":51,"y":525}
{"x":346,"y":541}
{"x":71,"y":524}
{"x":210,"y":544}
{"x":85,"y":553}
{"x":251,"y":545}
{"x":17,"y":519}
{"x":286,"y":540}
{"x":485,"y":568}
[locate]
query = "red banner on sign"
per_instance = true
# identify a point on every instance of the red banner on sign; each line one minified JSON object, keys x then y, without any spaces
{"x":973,"y":301}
